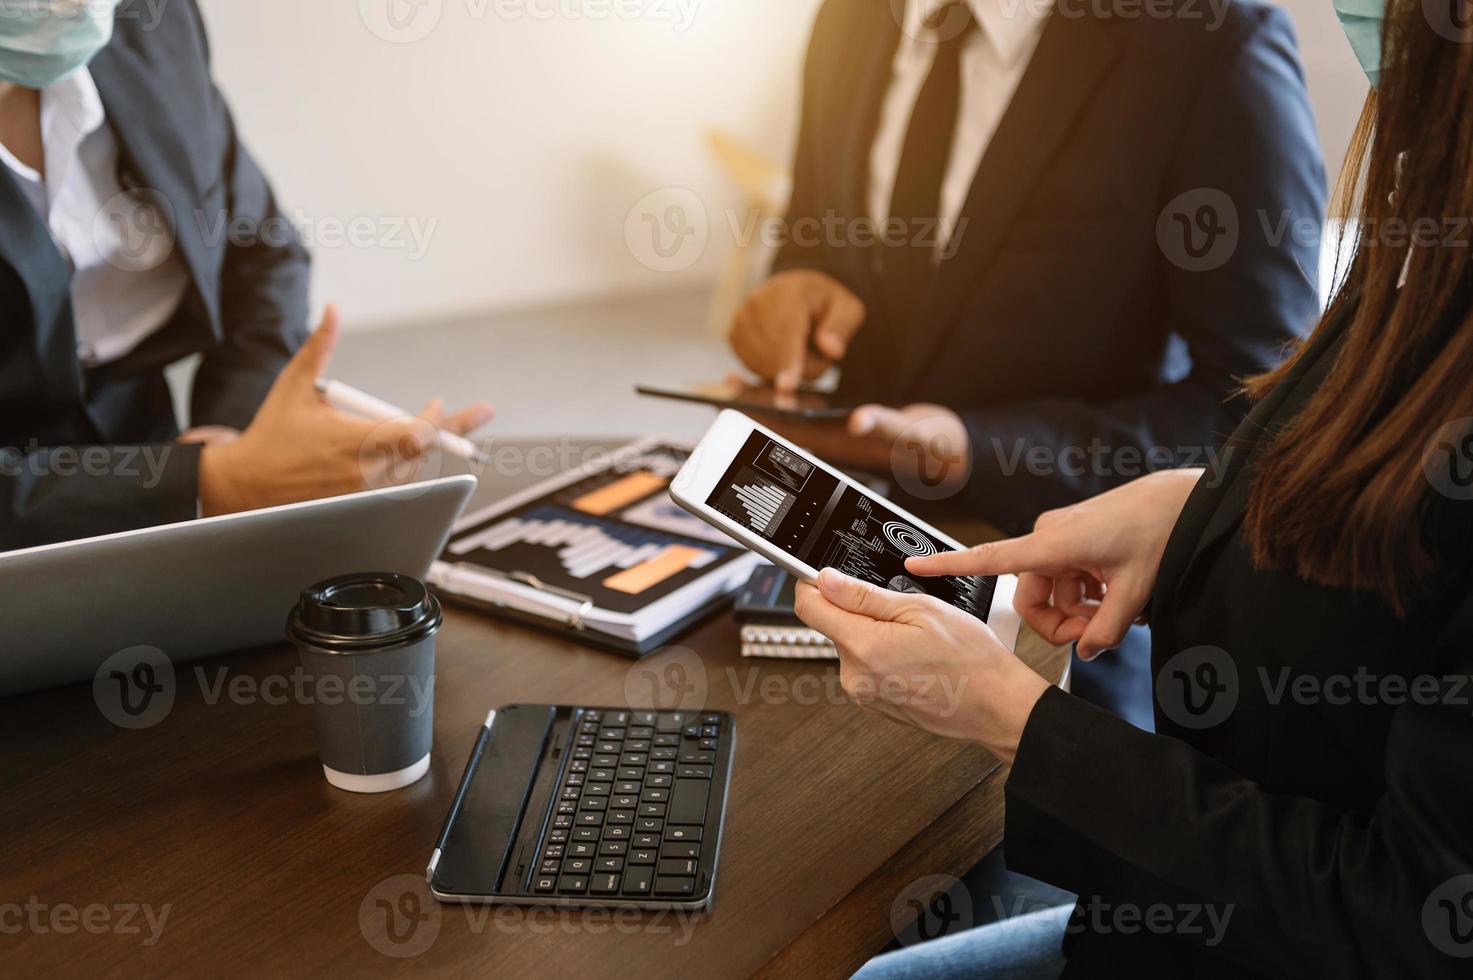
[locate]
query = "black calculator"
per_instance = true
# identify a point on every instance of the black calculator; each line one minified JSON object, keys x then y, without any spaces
{"x":588,"y":807}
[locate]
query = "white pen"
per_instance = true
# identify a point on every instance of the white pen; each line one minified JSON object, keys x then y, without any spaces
{"x":350,"y":399}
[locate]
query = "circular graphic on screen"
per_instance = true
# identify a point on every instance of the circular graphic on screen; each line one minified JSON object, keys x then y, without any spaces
{"x":908,"y":541}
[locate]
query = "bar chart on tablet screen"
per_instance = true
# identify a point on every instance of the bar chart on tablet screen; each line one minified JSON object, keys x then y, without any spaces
{"x":756,"y":502}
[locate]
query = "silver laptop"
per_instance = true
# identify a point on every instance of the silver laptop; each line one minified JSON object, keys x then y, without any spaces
{"x":205,"y":587}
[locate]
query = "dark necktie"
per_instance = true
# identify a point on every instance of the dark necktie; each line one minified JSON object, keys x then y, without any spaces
{"x":915,"y":207}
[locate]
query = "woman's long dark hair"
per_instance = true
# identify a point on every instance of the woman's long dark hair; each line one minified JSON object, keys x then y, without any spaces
{"x":1340,"y":496}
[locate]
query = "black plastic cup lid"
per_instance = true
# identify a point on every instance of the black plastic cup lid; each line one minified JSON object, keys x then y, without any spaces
{"x":371,"y":610}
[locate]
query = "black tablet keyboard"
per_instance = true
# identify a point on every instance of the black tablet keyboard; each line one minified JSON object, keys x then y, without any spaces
{"x":588,"y":806}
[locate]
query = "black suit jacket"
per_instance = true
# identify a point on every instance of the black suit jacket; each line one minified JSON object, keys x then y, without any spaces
{"x":1061,"y":319}
{"x":1330,"y":827}
{"x":245,"y":310}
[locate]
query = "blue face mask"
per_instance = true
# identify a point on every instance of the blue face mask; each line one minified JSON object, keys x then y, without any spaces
{"x":1361,"y":20}
{"x":44,"y":41}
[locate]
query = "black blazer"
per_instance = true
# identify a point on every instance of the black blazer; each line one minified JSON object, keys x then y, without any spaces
{"x":1329,"y":826}
{"x":245,"y":311}
{"x":1060,"y":319}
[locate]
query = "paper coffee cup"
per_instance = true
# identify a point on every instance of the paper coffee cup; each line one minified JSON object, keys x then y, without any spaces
{"x":367,"y":643}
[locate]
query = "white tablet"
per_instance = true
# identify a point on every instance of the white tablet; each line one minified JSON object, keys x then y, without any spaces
{"x":804,"y":515}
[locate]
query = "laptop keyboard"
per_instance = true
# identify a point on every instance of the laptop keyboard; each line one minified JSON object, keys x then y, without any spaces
{"x":638,"y":807}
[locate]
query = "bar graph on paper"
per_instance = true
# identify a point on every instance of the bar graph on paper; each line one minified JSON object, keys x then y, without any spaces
{"x":755,"y":502}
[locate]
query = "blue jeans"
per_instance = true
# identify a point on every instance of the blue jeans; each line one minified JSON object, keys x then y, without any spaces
{"x":1024,"y":947}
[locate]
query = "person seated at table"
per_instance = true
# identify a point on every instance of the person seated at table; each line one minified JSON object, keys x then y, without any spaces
{"x":1051,"y":309}
{"x":118,"y":152}
{"x":1304,"y":807}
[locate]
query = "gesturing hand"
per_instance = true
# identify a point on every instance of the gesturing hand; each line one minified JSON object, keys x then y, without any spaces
{"x":1086,"y":572}
{"x":298,"y":447}
{"x":794,"y":326}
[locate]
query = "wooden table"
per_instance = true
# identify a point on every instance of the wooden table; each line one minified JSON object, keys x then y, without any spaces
{"x":218,"y":818}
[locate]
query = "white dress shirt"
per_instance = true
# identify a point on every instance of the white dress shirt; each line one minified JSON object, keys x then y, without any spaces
{"x":993,"y":59}
{"x":127,"y":279}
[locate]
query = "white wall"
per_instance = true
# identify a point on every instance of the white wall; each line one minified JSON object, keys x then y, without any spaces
{"x":516,"y":143}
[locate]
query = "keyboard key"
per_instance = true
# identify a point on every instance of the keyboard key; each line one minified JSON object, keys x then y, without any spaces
{"x":578,"y":766}
{"x":620,"y":718}
{"x":594,"y":803}
{"x":693,"y":772}
{"x":604,"y":884}
{"x":642,"y":856}
{"x":648,"y":825}
{"x":683,"y":833}
{"x":662,"y":768}
{"x":643,"y":717}
{"x":675,"y":887}
{"x":646,"y":840}
{"x":562,"y":820}
{"x":637,"y":745}
{"x":621,"y":816}
{"x":544,"y":884}
{"x":661,"y":781}
{"x":553,"y":851}
{"x":610,"y":864}
{"x":631,"y":772}
{"x":597,"y":789}
{"x":582,"y":754}
{"x":592,"y":714}
{"x":577,"y":866}
{"x":711,"y":719}
{"x":637,"y":881}
{"x":632,"y":759}
{"x":591,"y":818}
{"x":680,"y":850}
{"x":608,"y":747}
{"x":653,"y":795}
{"x":574,"y":779}
{"x":610,"y":733}
{"x":665,"y":741}
{"x":558,"y":835}
{"x":624,"y":802}
{"x":696,"y":757}
{"x":708,"y":744}
{"x":603,"y":761}
{"x":676,"y":866}
{"x":627,"y":786}
{"x":670,"y":722}
{"x":582,"y":849}
{"x":549,"y":867}
{"x":618,"y":848}
{"x":654,"y":810}
{"x":617,"y":832}
{"x":585,"y":833}
{"x":710,"y":731}
{"x":688,"y":804}
{"x":641,"y":732}
{"x":664,"y":754}
{"x":693,"y":731}
{"x":601,"y":775}
{"x":572,"y":884}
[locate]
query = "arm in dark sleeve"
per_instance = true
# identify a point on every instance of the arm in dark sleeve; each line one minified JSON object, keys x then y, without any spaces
{"x":804,"y":246}
{"x":1103,"y":809}
{"x":69,"y":492}
{"x":263,"y":293}
{"x":1252,"y":136}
